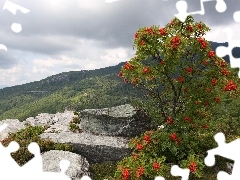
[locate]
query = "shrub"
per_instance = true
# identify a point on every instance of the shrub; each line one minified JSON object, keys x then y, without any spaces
{"x":186,"y":82}
{"x":102,"y":171}
{"x":31,"y":134}
{"x":74,"y":124}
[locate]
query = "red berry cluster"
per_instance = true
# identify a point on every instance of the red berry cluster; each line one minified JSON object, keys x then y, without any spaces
{"x":169,"y":120}
{"x":202,"y":42}
{"x":156,"y":166}
{"x":140,"y":171}
{"x":128,"y":66}
{"x":192,"y":167}
{"x":174,"y":137}
{"x":180,"y":79}
{"x":211,"y":54}
{"x":162,"y":31}
{"x":188,"y":119}
{"x":125,"y":173}
{"x":230,"y":86}
{"x":175,"y":41}
{"x":214,"y":82}
{"x":189,"y":28}
{"x":146,"y":70}
{"x":189,"y":69}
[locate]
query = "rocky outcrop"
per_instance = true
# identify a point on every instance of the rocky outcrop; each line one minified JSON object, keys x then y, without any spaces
{"x":105,"y":132}
{"x":125,"y":121}
{"x":96,"y":149}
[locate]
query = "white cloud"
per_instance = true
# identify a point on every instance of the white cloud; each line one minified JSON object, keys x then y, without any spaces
{"x":61,"y":36}
{"x":217,"y":33}
{"x":64,"y":62}
{"x":11,"y":76}
{"x":114,"y":56}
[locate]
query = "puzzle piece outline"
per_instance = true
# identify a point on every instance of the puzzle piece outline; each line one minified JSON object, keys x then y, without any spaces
{"x":222,"y":51}
{"x":227,"y":150}
{"x":27,"y":172}
{"x":13,"y":8}
{"x":174,"y":168}
{"x":181,"y":7}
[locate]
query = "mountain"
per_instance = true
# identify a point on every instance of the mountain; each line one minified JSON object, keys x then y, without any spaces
{"x":73,"y":90}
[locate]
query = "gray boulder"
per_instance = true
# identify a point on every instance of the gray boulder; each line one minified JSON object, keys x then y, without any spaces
{"x":94,"y":148}
{"x":78,"y":165}
{"x":58,"y":122}
{"x":124,"y":120}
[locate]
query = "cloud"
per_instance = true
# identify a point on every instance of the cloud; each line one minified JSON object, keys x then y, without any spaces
{"x":7,"y":59}
{"x":113,"y":56}
{"x":11,"y":75}
{"x":63,"y":35}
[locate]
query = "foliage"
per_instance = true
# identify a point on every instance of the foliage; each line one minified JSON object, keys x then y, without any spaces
{"x":74,"y":124}
{"x":31,"y":134}
{"x":186,"y":82}
{"x":102,"y":171}
{"x":76,"y":94}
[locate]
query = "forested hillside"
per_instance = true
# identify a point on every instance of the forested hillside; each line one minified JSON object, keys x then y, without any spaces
{"x":72,"y":90}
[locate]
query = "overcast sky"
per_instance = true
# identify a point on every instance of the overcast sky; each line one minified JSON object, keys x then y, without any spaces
{"x":71,"y":35}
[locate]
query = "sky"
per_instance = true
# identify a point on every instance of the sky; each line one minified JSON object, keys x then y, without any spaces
{"x":72,"y":35}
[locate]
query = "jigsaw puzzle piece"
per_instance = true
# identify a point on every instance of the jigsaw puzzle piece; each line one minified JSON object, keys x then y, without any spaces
{"x":221,"y":6}
{"x":16,"y":27}
{"x":5,"y":156}
{"x":222,"y":51}
{"x":177,"y":171}
{"x":159,"y":178}
{"x":86,"y":178}
{"x":236,"y":16}
{"x":227,"y":150}
{"x":223,"y":176}
{"x":182,"y":8}
{"x":29,"y":173}
{"x":12,"y":7}
{"x":35,"y":162}
{"x":234,"y":175}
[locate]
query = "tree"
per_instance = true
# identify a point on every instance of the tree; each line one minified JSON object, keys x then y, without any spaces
{"x":185,"y":81}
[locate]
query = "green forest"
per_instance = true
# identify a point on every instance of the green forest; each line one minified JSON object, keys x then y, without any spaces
{"x":67,"y":91}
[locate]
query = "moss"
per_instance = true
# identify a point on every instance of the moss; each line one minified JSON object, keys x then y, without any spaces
{"x":101,"y":171}
{"x":31,"y":134}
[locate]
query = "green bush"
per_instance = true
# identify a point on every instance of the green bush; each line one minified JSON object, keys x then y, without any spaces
{"x":76,"y":120}
{"x":73,"y":125}
{"x":103,"y":171}
{"x":31,"y":134}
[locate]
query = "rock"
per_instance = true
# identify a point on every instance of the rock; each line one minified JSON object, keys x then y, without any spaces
{"x":95,"y":149}
{"x":57,"y":122}
{"x":79,"y":166}
{"x":14,"y":125}
{"x":125,"y":121}
{"x":105,"y":136}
